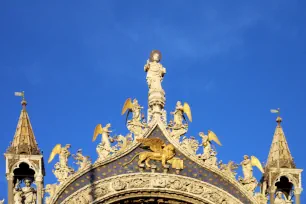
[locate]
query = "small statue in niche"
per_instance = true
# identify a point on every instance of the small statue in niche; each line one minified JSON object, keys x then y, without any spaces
{"x":26,"y":194}
{"x":279,"y":198}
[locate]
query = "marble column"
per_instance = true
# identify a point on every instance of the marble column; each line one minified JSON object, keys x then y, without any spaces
{"x":39,"y":184}
{"x":297,"y":195}
{"x":272,"y":195}
{"x":10,"y":185}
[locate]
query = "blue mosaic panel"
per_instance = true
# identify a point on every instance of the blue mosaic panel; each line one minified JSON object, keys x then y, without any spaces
{"x":191,"y":169}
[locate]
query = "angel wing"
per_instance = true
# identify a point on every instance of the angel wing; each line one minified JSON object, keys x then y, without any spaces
{"x":98,"y":130}
{"x":127,"y":105}
{"x":187,"y":110}
{"x":213,"y":137}
{"x":155,"y":144}
{"x":256,"y":162}
{"x":56,"y":150}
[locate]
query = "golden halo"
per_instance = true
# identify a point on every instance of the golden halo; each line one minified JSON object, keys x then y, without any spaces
{"x":153,"y":52}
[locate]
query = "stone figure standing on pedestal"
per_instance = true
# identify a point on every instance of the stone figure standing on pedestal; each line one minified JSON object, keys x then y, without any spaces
{"x":156,"y":97}
{"x":248,"y":180}
{"x":104,"y":149}
{"x":247,"y":167}
{"x":178,"y":114}
{"x":155,"y":71}
{"x":24,"y":195}
{"x":61,"y":169}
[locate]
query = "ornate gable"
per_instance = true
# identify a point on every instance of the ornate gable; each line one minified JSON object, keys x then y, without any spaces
{"x":152,"y":161}
{"x":192,"y":170}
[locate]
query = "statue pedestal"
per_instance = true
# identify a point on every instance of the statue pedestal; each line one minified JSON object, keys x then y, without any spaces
{"x":156,"y":103}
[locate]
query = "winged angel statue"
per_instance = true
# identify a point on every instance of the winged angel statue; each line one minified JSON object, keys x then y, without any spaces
{"x":104,"y":148}
{"x":136,"y":124}
{"x":61,"y":169}
{"x":160,"y":152}
{"x":177,"y":127}
{"x":209,"y":155}
{"x":249,"y":181}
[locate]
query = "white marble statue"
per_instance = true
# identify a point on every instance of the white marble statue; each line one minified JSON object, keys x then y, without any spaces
{"x":82,"y":161}
{"x":155,"y":71}
{"x":137,"y":124}
{"x":61,"y":169}
{"x":104,"y":149}
{"x":63,"y":153}
{"x":209,"y":155}
{"x":248,"y":180}
{"x":136,"y":110}
{"x":177,"y":127}
{"x":207,"y":146}
{"x":247,"y":167}
{"x":24,"y":195}
{"x":279,"y":198}
{"x":178,"y":114}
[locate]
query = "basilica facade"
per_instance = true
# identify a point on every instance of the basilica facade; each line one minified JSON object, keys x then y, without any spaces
{"x":156,"y":162}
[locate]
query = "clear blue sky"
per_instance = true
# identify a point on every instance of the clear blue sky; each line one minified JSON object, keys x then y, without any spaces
{"x":78,"y":61}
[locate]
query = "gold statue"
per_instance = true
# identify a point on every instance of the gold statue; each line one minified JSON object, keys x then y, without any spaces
{"x":160,"y":152}
{"x":179,"y":113}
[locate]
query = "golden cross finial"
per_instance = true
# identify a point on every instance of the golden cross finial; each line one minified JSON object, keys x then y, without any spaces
{"x":23,"y":102}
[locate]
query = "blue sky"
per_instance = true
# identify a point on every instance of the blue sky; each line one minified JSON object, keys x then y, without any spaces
{"x":78,"y":61}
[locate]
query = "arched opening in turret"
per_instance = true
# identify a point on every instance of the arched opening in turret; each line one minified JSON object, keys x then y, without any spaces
{"x":23,"y":171}
{"x":285,"y":186}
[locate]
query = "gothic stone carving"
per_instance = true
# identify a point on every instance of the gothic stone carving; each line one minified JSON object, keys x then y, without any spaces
{"x":151,"y":181}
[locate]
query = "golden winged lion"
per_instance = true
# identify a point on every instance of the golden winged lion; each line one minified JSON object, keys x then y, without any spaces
{"x":160,"y":152}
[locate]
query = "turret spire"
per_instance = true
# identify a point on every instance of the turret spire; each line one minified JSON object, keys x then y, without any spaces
{"x":279,"y":155}
{"x":281,"y":177}
{"x":24,"y":141}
